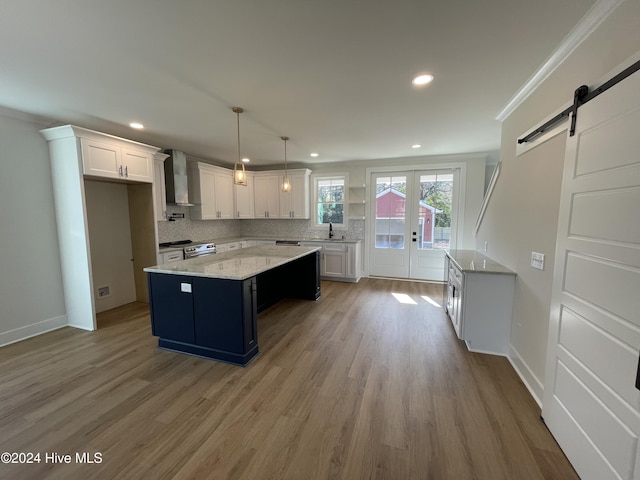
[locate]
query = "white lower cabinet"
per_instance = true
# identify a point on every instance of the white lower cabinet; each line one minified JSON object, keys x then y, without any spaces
{"x":479,"y":304}
{"x":339,"y":261}
{"x":231,"y":246}
{"x":172,"y":256}
{"x":334,"y":259}
{"x":353,"y":261}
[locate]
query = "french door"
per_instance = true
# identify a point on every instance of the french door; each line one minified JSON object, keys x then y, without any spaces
{"x":414,"y":221}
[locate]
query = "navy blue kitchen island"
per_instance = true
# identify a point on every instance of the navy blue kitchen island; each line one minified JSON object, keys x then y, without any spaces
{"x":208,"y":306}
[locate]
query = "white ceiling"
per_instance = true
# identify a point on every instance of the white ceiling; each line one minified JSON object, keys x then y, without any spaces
{"x":333,"y":75}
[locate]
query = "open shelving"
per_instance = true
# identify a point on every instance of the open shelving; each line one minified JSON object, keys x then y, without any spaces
{"x":357,"y":202}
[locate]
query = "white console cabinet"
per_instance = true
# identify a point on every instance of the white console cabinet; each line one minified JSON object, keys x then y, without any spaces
{"x":479,"y":301}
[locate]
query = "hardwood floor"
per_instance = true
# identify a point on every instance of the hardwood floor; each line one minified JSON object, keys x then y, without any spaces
{"x":368,"y":382}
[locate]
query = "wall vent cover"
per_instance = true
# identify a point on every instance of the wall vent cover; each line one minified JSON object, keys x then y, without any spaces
{"x":104,"y":291}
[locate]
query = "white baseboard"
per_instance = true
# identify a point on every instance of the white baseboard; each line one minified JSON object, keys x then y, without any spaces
{"x":28,"y":331}
{"x":533,"y":384}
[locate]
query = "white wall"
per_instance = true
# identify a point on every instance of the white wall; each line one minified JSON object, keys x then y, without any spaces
{"x":473,"y":183}
{"x":31,"y":295}
{"x":522,"y":215}
{"x":110,"y":240}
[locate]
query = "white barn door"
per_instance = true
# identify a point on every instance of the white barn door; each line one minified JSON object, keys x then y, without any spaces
{"x":590,"y":403}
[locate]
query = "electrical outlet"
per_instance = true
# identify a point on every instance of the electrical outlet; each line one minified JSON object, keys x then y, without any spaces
{"x":537,"y":260}
{"x":486,"y":247}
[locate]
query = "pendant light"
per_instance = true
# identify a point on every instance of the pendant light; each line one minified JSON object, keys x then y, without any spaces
{"x":286,"y":184}
{"x":239,"y":173}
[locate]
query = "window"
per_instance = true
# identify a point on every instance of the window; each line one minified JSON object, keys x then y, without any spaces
{"x":330,"y":200}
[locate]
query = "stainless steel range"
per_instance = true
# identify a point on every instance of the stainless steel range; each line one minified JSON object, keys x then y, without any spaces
{"x":199,"y":250}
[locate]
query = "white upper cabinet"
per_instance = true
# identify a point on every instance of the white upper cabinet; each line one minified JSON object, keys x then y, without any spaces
{"x":272,"y":202}
{"x":267,"y":195}
{"x":109,"y":158}
{"x":244,"y":199}
{"x":224,"y":194}
{"x":211,"y":189}
{"x":137,"y":165}
{"x":295,"y":204}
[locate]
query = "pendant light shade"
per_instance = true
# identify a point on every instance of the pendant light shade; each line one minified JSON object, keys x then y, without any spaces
{"x":239,"y":173}
{"x":286,"y":184}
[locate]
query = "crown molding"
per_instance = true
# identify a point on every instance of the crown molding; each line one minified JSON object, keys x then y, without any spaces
{"x":592,"y":19}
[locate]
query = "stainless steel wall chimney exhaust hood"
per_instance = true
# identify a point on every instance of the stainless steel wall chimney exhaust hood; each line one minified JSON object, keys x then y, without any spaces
{"x":175,"y":176}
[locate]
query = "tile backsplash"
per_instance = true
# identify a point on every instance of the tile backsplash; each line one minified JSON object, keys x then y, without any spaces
{"x":185,"y":228}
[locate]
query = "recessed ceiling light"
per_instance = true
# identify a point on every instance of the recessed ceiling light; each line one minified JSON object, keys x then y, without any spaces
{"x":136,"y":125}
{"x":416,"y":145}
{"x":246,"y":160}
{"x":422,"y":79}
{"x":314,"y":154}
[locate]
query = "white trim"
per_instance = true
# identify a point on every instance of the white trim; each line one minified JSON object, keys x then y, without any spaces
{"x":460,"y":165}
{"x":487,"y":196}
{"x":533,"y":384}
{"x":314,"y":200}
{"x":28,"y":331}
{"x":592,"y":19}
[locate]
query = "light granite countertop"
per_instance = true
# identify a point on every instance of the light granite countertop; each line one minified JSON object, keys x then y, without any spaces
{"x":237,"y":264}
{"x":222,"y":241}
{"x":471,"y":261}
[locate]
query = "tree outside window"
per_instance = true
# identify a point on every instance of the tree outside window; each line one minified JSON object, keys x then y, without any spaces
{"x":330,"y":197}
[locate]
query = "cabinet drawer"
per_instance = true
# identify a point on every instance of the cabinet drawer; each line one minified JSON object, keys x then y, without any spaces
{"x":334,"y":247}
{"x":169,"y":257}
{"x":455,"y":275}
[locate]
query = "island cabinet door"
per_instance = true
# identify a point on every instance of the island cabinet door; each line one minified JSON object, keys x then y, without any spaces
{"x":303,"y":277}
{"x":225,"y":314}
{"x":171,"y":307}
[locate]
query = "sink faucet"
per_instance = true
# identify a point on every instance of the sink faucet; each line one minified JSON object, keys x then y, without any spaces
{"x":330,"y":230}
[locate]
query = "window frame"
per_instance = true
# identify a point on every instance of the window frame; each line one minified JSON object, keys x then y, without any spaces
{"x":345,"y":202}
